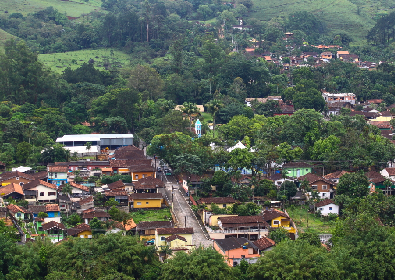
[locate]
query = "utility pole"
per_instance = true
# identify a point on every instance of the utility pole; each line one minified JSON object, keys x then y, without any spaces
{"x":185,"y":221}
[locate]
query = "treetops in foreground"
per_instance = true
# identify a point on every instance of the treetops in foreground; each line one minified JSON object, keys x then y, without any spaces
{"x":361,"y":248}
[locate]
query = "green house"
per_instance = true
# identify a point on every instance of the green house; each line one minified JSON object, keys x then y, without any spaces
{"x":54,"y":231}
{"x":296,"y":169}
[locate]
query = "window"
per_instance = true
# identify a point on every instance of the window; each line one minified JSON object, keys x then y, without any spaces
{"x":144,"y":175}
{"x":18,"y":214}
{"x":276,"y":222}
{"x":41,"y":193}
{"x":136,"y":177}
{"x":323,"y":194}
{"x":243,"y":256}
{"x":307,"y":170}
{"x":81,"y":236}
{"x":330,"y":208}
{"x":147,"y":202}
{"x":324,"y":187}
{"x":321,"y":209}
{"x":17,"y":178}
{"x":56,"y":214}
{"x":21,"y":184}
{"x":56,"y":175}
{"x":314,"y":187}
{"x":63,"y":205}
{"x":138,"y":203}
{"x":51,"y":193}
{"x":162,"y":238}
{"x":224,"y":205}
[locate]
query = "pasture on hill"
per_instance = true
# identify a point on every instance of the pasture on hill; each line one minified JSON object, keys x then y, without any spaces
{"x":354,"y":17}
{"x":4,"y":36}
{"x":58,"y":62}
{"x":72,"y":8}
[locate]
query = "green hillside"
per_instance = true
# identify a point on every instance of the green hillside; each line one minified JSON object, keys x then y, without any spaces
{"x":58,"y":62}
{"x":4,"y":36}
{"x":354,"y":17}
{"x":73,"y":8}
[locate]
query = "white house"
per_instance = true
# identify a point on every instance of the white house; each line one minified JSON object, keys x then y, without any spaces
{"x":388,"y":172}
{"x":239,"y":145}
{"x":46,"y":192}
{"x":326,"y":207}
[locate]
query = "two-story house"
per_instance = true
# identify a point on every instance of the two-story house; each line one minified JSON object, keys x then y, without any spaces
{"x":57,"y":173}
{"x":54,"y":231}
{"x":46,"y":192}
{"x":146,"y":230}
{"x":277,"y":219}
{"x":89,"y":214}
{"x":296,"y":169}
{"x":250,"y":227}
{"x":77,"y":190}
{"x":317,"y":183}
{"x":234,"y":250}
{"x":178,"y":239}
{"x":52,"y":210}
{"x":148,"y":185}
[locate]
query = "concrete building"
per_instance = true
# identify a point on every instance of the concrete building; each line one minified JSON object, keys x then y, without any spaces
{"x":77,"y":142}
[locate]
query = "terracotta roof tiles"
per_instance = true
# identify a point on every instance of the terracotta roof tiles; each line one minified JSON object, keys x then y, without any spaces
{"x":271,"y":214}
{"x":264,"y":243}
{"x":219,"y":200}
{"x":52,"y":224}
{"x":78,"y":229}
{"x":149,"y":183}
{"x":52,"y":208}
{"x":11,"y":188}
{"x":312,"y":178}
{"x":15,"y":209}
{"x":324,"y":202}
{"x":78,"y":186}
{"x":146,"y":196}
{"x":174,"y":231}
{"x":154,"y":225}
{"x":174,"y":237}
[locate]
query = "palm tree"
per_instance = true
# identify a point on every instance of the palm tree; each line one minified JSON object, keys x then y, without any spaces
{"x":189,"y":109}
{"x":67,"y":189}
{"x":213,"y":107}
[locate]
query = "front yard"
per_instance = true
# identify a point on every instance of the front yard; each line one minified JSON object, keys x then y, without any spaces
{"x":308,"y":222}
{"x":151,"y":215}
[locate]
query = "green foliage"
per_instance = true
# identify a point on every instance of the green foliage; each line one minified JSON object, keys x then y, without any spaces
{"x":296,"y":260}
{"x":278,"y":234}
{"x":353,"y":185}
{"x":201,"y":263}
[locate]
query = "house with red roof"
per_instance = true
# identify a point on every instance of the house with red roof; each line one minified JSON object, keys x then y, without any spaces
{"x":326,"y":207}
{"x":45,"y":192}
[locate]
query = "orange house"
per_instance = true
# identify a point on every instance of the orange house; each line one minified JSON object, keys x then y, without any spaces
{"x":235,"y":250}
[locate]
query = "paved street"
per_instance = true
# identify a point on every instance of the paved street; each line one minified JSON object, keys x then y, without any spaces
{"x":182,"y":210}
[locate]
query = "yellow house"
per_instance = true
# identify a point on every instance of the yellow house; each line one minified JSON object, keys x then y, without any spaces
{"x":178,"y":239}
{"x":81,"y":231}
{"x":146,"y":200}
{"x":213,"y":219}
{"x":278,"y":219}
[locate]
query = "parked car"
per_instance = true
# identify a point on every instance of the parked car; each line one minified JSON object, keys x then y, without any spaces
{"x":151,"y":242}
{"x":159,"y":169}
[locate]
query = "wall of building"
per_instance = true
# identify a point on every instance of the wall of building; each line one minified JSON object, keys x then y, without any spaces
{"x":293,"y":172}
{"x":15,"y":180}
{"x":159,"y":242}
{"x":139,"y":175}
{"x":236,"y":254}
{"x":147,"y":203}
{"x":325,"y":209}
{"x":43,"y":193}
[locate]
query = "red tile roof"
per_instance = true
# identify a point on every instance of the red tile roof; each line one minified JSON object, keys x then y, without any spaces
{"x":240,"y":221}
{"x":219,"y":200}
{"x":174,"y":230}
{"x":58,"y":169}
{"x":271,"y":214}
{"x":381,"y":124}
{"x":149,"y":183}
{"x":52,"y":208}
{"x":174,"y":237}
{"x":390,"y":170}
{"x":35,"y":183}
{"x":264,"y":243}
{"x":78,"y":186}
{"x":86,"y":200}
{"x":324,"y":202}
{"x":11,"y":188}
{"x":116,"y":193}
{"x":9,"y":175}
{"x":15,"y":209}
{"x":116,"y":185}
{"x":95,"y":213}
{"x":52,"y":224}
{"x":312,"y":178}
{"x":336,"y":174}
{"x":78,"y":229}
{"x":154,"y":225}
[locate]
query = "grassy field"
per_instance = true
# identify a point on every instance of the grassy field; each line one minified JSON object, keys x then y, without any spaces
{"x":151,"y":215}
{"x":58,"y":62}
{"x":73,"y":8}
{"x":354,"y":17}
{"x":307,"y":222}
{"x":4,"y":36}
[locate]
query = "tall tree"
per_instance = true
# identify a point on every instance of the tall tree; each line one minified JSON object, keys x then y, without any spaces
{"x":213,"y":106}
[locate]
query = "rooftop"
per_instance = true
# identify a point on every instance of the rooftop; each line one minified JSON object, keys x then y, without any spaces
{"x":232,"y":243}
{"x":174,"y":230}
{"x":11,"y":188}
{"x":91,"y":137}
{"x":324,"y":202}
{"x":264,"y":243}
